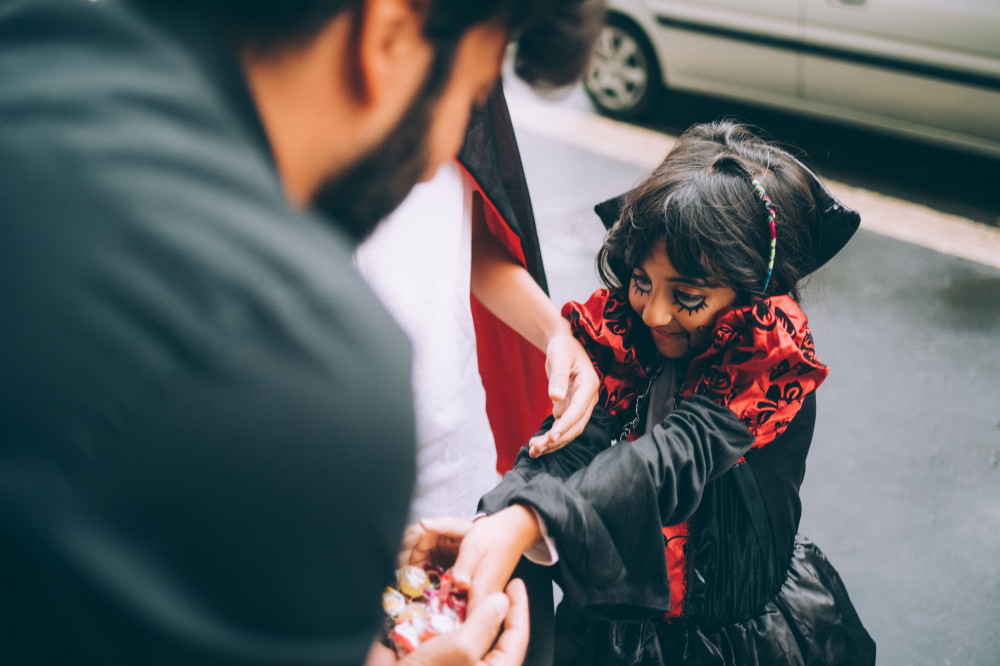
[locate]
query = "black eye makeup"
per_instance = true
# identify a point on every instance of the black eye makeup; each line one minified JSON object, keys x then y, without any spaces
{"x":689,"y":302}
{"x":641,"y":284}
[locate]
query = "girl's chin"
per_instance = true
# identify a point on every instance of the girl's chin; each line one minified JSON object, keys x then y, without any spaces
{"x":672,"y":348}
{"x":679,"y":348}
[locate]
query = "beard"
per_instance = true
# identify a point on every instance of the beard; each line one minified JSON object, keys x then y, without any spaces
{"x":364,"y":194}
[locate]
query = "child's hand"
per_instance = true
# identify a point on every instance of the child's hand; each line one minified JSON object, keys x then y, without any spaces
{"x":492,"y":549}
{"x":573,"y":386}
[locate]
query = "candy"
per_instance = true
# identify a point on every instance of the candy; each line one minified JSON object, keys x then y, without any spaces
{"x":414,"y":613}
{"x":457,"y":602}
{"x":393,"y":602}
{"x":406,"y":638}
{"x":412,"y":581}
{"x":438,"y":625}
{"x":426,"y":604}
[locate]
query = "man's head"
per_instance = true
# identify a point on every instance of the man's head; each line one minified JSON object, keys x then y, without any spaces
{"x":363,"y":98}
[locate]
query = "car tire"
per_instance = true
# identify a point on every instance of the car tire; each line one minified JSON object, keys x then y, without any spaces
{"x":623,"y":77}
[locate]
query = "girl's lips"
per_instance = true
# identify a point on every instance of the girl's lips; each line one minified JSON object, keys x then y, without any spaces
{"x":667,"y":335}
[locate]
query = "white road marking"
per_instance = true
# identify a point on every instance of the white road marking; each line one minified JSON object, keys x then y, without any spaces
{"x":881,"y":214}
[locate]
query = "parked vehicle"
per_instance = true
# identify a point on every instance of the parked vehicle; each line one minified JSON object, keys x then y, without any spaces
{"x":919,"y":68}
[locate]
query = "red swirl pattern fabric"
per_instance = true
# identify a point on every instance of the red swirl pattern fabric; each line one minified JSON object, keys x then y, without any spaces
{"x":619,"y":346}
{"x":760,"y":363}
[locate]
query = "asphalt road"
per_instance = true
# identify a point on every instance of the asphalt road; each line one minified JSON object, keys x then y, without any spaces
{"x":903,"y":486}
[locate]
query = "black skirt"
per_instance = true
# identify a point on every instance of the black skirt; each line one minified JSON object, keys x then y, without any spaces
{"x":810,"y":621}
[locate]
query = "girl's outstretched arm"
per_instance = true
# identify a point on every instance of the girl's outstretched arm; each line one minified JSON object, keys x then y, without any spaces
{"x":605,"y":516}
{"x":561,"y":464}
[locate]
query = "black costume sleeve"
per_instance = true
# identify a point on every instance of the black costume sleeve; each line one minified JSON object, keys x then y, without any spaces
{"x":560,"y":464}
{"x":605,"y":516}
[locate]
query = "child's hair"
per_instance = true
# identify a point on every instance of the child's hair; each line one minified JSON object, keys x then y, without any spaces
{"x":702,"y":204}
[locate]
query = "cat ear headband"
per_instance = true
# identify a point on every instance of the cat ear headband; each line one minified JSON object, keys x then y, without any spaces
{"x":833,"y":227}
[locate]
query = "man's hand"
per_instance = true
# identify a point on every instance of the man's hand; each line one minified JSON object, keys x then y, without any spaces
{"x":492,"y":549}
{"x":469,"y":645}
{"x":573,"y":386}
{"x":433,"y":541}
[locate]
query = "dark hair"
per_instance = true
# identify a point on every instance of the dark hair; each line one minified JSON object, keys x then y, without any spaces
{"x":701,"y":204}
{"x":553,"y":37}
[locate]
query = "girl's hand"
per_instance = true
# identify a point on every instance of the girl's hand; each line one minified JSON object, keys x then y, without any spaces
{"x":573,"y":386}
{"x":492,"y":549}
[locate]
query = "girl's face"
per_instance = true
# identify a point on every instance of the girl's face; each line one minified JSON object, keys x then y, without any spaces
{"x":679,"y":311}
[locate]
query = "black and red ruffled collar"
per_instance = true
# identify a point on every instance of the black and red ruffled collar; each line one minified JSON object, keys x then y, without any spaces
{"x":760,"y":363}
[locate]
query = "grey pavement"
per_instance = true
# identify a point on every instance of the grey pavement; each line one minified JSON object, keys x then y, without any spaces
{"x":902,"y":490}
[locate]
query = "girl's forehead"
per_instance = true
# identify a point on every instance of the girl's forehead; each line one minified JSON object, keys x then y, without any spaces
{"x":657,"y":259}
{"x":657,"y":265}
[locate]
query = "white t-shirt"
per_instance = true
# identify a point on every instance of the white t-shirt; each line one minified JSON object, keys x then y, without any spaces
{"x":418,"y":262}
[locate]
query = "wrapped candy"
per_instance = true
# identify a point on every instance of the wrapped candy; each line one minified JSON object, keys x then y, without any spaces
{"x":393,"y":602}
{"x":424,"y":604}
{"x":406,"y":638}
{"x":412,"y":581}
{"x":457,"y":603}
{"x":415,"y":613}
{"x":438,"y":624}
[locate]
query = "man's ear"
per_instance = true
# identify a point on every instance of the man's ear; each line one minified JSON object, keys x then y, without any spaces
{"x":392,"y":53}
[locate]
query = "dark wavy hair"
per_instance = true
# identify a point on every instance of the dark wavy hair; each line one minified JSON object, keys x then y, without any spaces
{"x":701,"y":205}
{"x":553,"y":38}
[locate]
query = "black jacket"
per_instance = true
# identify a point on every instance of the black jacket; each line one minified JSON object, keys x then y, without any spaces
{"x":206,"y":431}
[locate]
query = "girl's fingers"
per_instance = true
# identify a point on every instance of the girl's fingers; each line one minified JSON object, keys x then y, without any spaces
{"x":466,"y":563}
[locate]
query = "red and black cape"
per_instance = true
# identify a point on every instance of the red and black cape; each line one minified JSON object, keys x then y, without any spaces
{"x":513,"y":370}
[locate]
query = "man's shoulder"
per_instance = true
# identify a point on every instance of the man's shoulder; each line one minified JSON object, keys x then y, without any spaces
{"x":145,"y":211}
{"x":102,"y":85}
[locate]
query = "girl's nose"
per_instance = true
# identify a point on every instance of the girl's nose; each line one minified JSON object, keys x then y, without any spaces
{"x":657,"y":313}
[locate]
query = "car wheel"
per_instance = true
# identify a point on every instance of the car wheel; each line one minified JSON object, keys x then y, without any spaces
{"x":623,"y":78}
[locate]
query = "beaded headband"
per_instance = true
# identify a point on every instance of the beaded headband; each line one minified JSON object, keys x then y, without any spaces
{"x":771,"y":214}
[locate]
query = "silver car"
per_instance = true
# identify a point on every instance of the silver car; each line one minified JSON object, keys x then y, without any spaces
{"x":919,"y":68}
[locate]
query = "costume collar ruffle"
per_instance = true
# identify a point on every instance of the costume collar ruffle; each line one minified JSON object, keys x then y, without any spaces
{"x":618,"y":343}
{"x":760,"y":363}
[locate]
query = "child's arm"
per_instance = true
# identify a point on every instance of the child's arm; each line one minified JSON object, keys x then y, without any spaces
{"x":605,"y":518}
{"x":561,"y":464}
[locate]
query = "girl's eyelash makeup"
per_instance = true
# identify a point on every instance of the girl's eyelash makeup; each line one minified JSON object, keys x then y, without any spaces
{"x":636,"y":279}
{"x":693,"y":304}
